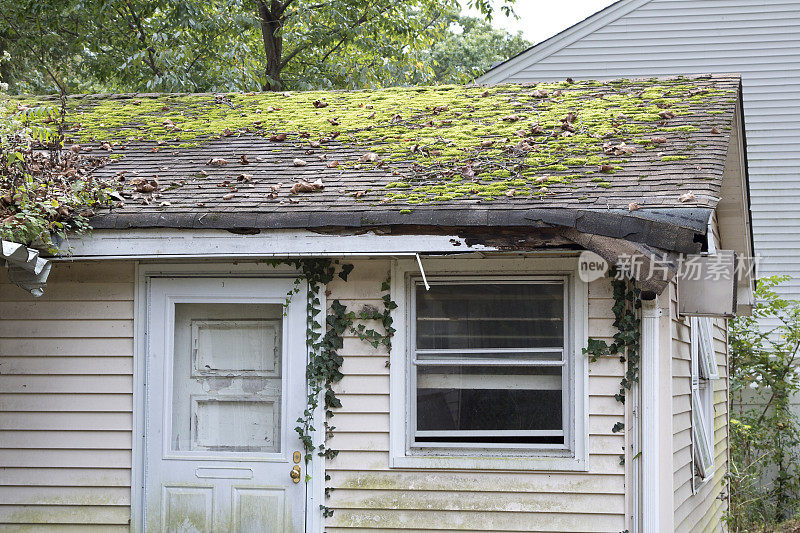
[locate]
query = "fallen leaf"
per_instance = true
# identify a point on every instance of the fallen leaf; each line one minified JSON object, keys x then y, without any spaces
{"x":369,"y":156}
{"x":75,"y":148}
{"x":618,"y":149}
{"x":333,"y":122}
{"x":217,"y":162}
{"x":305,"y":186}
{"x":484,"y":94}
{"x":299,"y":162}
{"x":658,"y":140}
{"x":228,"y":196}
{"x":332,"y":164}
{"x":226,"y":132}
{"x":486,"y":143}
{"x":277,"y":137}
{"x":359,"y":194}
{"x":666,"y":114}
{"x":320,"y":104}
{"x":715,"y":130}
{"x":633,"y":206}
{"x":396,"y":118}
{"x":570,"y":81}
{"x":511,"y":192}
{"x":687,"y":197}
{"x":605,"y":167}
{"x":243,"y":159}
{"x":245,"y":178}
{"x":539,"y":93}
{"x":164,"y":204}
{"x":314,"y":144}
{"x":511,"y":118}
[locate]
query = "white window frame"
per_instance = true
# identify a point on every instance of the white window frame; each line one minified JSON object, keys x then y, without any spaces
{"x":704,"y":373}
{"x":570,"y":457}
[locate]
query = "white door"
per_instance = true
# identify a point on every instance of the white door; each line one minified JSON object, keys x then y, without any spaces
{"x":225,"y":384}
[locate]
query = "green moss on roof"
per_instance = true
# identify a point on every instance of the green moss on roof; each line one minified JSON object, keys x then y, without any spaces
{"x":441,"y":143}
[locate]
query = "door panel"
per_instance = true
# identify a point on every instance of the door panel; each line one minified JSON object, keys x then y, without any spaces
{"x":225,"y":376}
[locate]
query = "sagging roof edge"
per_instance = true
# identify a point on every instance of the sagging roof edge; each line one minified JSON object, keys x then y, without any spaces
{"x":680,"y":230}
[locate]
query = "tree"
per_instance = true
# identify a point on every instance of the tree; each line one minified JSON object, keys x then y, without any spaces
{"x":223,"y":45}
{"x":470,"y":49}
{"x":765,"y":432}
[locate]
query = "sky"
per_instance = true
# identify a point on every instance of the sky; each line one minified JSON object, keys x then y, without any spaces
{"x":539,"y":19}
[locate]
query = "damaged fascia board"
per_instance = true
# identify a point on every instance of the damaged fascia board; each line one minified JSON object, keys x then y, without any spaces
{"x":26,"y":269}
{"x":672,"y":229}
{"x":175,"y":243}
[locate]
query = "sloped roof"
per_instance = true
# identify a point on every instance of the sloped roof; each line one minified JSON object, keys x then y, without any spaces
{"x":506,"y":155}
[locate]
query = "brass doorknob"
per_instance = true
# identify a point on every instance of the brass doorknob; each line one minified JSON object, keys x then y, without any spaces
{"x":295,"y":473}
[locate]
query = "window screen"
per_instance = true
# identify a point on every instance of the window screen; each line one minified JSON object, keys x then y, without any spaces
{"x":704,"y":371}
{"x":489,"y":363}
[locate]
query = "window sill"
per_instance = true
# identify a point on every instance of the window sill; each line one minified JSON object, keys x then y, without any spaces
{"x":453,"y":462}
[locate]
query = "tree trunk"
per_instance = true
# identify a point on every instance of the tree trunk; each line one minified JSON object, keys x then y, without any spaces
{"x":273,"y":42}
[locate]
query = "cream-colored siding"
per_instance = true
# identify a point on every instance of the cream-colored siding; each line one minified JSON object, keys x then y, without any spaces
{"x":66,"y":364}
{"x":702,"y":511}
{"x":368,"y":495}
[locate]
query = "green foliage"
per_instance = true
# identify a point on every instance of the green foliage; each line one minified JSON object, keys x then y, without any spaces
{"x":371,"y":313}
{"x":43,"y":193}
{"x":222,"y":45}
{"x":765,"y":433}
{"x":469,"y":50}
{"x":626,"y":343}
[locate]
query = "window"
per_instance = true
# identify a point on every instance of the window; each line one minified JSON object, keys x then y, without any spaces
{"x":488,"y":362}
{"x":704,"y":372}
{"x":490,"y":369}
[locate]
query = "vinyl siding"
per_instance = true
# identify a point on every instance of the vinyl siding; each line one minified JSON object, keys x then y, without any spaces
{"x":65,"y":401}
{"x":702,"y":511}
{"x":368,"y":495}
{"x":759,"y":40}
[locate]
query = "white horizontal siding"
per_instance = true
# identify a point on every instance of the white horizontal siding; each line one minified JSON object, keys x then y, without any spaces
{"x":759,"y":40}
{"x":65,"y":401}
{"x":369,"y":496}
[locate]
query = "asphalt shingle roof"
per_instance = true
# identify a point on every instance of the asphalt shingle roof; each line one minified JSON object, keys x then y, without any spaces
{"x":446,"y":156}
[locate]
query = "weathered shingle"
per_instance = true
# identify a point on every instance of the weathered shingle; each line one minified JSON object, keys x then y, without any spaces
{"x":445,"y":155}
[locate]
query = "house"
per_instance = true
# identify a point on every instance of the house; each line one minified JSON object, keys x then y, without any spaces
{"x":352,"y":311}
{"x":668,"y":37}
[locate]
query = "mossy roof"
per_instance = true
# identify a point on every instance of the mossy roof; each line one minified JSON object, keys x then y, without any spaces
{"x":421,"y":155}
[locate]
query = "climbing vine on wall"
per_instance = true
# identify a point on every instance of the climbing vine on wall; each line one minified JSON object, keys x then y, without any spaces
{"x":324,"y":341}
{"x":626,"y":346}
{"x":384,"y":317}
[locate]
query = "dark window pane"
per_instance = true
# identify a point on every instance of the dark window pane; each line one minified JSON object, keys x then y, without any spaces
{"x":472,"y":398}
{"x":490,"y":315}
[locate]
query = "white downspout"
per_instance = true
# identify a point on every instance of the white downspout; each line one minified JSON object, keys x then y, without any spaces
{"x":650,"y":380}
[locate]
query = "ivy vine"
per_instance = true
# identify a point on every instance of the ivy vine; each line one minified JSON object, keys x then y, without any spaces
{"x":384,"y":317}
{"x":626,"y":344}
{"x":325,"y":341}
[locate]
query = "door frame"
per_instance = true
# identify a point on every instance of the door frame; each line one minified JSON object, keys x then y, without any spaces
{"x":144,"y":271}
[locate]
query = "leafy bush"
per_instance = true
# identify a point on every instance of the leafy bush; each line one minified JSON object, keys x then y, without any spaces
{"x":765,"y":468}
{"x":45,"y":191}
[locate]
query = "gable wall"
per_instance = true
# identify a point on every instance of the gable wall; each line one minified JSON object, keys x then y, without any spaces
{"x":702,"y":511}
{"x":759,"y":40}
{"x":65,"y":401}
{"x":367,"y":495}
